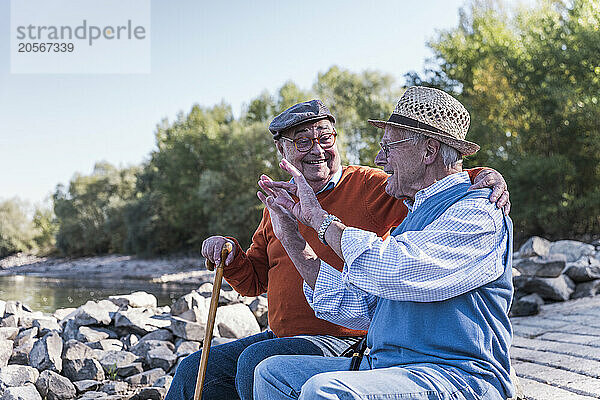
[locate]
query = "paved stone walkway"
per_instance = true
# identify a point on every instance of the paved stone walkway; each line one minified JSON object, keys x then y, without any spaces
{"x":556,"y":354}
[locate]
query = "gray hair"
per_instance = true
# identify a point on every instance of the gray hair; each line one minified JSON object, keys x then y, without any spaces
{"x":450,"y":156}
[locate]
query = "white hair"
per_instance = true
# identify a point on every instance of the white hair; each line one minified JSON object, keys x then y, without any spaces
{"x":450,"y":156}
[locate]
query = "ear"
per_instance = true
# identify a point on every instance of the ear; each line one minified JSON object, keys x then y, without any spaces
{"x":432,"y":150}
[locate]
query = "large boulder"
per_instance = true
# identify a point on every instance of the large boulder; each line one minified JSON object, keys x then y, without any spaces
{"x":187,"y":347}
{"x":21,"y":351}
{"x":27,"y":392}
{"x":46,"y":353}
{"x":188,"y":302}
{"x":572,"y":249}
{"x":88,"y":368}
{"x":115,"y":387}
{"x":136,"y":299}
{"x":6,"y":350}
{"x":46,"y":325}
{"x":106,"y":345}
{"x":550,"y":267}
{"x":112,"y":360}
{"x":8,"y":333}
{"x":188,"y":330}
{"x":17,"y":375}
{"x":146,"y":378}
{"x":584,"y":270}
{"x":526,"y":305}
{"x":86,"y":385}
{"x":53,"y":386}
{"x":62,"y":313}
{"x":236,"y":321}
{"x":149,"y":350}
{"x":260,"y":308}
{"x":126,"y":370}
{"x":93,"y":313}
{"x":535,"y":246}
{"x":587,"y":289}
{"x":139,"y":320}
{"x":160,"y":334}
{"x":11,"y":321}
{"x":161,"y":357}
{"x":94,"y":334}
{"x":557,"y":289}
{"x":78,"y":362}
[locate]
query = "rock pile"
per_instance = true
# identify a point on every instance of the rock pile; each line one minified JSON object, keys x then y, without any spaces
{"x":545,"y":271}
{"x":125,"y":347}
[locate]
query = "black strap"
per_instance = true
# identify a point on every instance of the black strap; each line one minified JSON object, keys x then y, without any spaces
{"x":402,"y":120}
{"x":357,"y":350}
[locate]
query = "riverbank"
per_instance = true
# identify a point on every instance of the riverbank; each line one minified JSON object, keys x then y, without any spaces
{"x":189,"y":270}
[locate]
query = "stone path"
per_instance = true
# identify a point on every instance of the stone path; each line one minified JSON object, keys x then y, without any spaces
{"x":556,"y":354}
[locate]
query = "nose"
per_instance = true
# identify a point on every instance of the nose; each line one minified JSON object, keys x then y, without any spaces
{"x":380,"y":158}
{"x":317,"y":149}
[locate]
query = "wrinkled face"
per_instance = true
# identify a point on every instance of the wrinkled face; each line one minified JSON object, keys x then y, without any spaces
{"x":404,"y":164}
{"x":317,"y":165}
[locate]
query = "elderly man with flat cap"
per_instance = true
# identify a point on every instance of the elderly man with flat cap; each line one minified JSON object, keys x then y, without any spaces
{"x":305,"y":136}
{"x":434,"y":295}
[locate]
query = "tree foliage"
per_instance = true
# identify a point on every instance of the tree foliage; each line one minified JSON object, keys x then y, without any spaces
{"x":90,"y":211}
{"x":531,"y":80}
{"x":529,"y":77}
{"x":16,"y":230}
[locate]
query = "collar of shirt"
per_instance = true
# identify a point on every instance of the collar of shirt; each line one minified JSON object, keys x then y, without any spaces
{"x":436,"y":187}
{"x":335,"y":179}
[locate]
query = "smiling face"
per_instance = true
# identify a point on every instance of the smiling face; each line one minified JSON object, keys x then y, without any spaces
{"x":405,"y":164}
{"x":317,"y":165}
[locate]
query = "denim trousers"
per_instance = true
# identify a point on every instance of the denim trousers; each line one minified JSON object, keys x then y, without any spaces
{"x":328,"y":378}
{"x":230,"y":370}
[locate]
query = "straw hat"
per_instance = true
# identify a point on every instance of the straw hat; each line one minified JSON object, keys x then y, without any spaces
{"x":433,"y":113}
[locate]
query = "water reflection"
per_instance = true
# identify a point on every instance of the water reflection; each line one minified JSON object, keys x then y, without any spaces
{"x":48,"y":294}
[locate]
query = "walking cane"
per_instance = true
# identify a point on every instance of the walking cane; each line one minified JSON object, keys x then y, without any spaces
{"x":210,"y":324}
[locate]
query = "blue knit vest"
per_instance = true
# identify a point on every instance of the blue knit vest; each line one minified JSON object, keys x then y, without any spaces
{"x":469,"y":334}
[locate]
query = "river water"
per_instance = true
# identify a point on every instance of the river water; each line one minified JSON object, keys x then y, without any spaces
{"x":48,"y":294}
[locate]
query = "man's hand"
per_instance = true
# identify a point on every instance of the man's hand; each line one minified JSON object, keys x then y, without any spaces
{"x":285,"y":227}
{"x":211,"y":249}
{"x":490,"y":178}
{"x":283,"y":222}
{"x":307,"y":210}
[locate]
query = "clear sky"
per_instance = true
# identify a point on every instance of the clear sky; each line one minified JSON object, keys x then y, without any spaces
{"x":54,"y":125}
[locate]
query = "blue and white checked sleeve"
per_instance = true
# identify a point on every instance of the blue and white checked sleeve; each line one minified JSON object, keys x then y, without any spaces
{"x":456,"y":253}
{"x":333,"y":302}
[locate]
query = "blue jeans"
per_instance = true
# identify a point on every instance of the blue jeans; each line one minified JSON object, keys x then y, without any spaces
{"x":328,"y":378}
{"x":230,"y":370}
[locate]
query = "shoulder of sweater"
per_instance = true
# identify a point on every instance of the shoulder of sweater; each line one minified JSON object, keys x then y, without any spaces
{"x":368,"y":175}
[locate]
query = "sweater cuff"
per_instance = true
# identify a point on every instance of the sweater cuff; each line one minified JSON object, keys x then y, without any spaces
{"x":237,"y":260}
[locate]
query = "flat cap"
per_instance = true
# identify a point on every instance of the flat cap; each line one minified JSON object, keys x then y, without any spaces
{"x":300,"y":113}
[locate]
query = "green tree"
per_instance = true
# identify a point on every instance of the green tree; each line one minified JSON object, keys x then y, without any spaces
{"x":89,"y":213}
{"x":353,"y":98}
{"x":16,"y":230}
{"x":531,"y":78}
{"x":45,"y":227}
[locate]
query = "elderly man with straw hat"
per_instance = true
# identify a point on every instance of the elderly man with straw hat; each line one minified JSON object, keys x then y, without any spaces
{"x":434,"y":296}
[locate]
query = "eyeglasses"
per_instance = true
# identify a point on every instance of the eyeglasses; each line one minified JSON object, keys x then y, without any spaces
{"x":386,"y":146}
{"x":305,"y":144}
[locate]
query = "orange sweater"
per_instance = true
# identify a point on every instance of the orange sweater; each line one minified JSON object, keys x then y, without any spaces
{"x":360,"y":201}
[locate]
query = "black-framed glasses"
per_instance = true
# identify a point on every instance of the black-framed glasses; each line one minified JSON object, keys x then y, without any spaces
{"x":305,"y":144}
{"x":386,"y":146}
